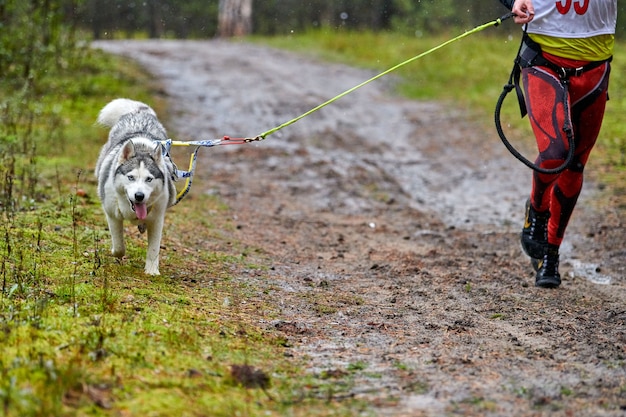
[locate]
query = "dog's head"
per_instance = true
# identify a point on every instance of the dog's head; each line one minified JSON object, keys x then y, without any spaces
{"x":140,"y":175}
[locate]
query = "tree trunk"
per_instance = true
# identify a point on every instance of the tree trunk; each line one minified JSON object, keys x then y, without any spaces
{"x":155,"y":21}
{"x":235,"y":18}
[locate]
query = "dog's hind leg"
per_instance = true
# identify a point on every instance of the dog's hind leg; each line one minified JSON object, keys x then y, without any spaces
{"x":155,"y":230}
{"x":116,"y":228}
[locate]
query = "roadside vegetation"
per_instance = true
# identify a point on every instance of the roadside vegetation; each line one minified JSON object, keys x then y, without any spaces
{"x":84,"y":334}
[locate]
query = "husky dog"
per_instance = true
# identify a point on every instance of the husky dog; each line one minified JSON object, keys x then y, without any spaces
{"x":135,"y":177}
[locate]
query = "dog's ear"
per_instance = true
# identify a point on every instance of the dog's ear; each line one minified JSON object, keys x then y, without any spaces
{"x":157,"y":153}
{"x":128,"y":151}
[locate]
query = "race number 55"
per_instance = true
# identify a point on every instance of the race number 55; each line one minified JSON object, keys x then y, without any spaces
{"x":580,"y":7}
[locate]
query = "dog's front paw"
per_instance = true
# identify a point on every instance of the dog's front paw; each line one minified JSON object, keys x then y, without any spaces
{"x":118,"y":253}
{"x":152,"y":271}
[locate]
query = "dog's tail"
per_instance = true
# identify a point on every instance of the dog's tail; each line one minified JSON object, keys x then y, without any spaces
{"x":112,"y":112}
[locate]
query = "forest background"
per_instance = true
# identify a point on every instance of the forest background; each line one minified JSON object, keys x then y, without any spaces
{"x":198,"y":18}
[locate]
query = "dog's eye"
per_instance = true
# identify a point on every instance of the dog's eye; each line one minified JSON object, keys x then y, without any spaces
{"x":149,"y":179}
{"x":131,"y":178}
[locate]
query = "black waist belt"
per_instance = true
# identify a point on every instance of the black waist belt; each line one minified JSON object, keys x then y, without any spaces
{"x":530,"y":55}
{"x":565,"y":73}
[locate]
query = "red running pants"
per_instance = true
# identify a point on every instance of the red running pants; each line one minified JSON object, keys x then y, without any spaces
{"x":587,"y":95}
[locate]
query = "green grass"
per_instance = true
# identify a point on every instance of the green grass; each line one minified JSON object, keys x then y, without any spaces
{"x":83,"y":334}
{"x":469,"y":74}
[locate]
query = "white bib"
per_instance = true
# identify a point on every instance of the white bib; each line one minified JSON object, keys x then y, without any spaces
{"x":574,"y":18}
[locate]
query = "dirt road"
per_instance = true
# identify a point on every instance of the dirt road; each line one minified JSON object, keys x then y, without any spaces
{"x":389,"y":228}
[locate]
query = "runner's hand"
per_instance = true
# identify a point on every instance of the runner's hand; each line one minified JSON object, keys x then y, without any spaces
{"x":524,"y":11}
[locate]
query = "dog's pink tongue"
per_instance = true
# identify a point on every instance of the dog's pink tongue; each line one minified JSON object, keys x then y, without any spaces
{"x":141,"y":211}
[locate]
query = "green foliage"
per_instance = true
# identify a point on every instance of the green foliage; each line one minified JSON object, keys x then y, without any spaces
{"x":34,"y":50}
{"x":198,"y":18}
{"x":156,"y":18}
{"x":417,"y":17}
{"x":288,"y":16}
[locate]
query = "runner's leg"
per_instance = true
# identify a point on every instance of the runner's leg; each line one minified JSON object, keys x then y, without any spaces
{"x":559,"y":193}
{"x":587,"y":114}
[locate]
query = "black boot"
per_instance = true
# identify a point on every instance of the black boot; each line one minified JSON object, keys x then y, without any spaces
{"x":548,"y":269}
{"x":534,"y":237}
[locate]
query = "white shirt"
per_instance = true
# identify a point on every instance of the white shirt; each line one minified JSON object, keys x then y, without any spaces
{"x":574,"y":18}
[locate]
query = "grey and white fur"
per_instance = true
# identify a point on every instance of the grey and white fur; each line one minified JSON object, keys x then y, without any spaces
{"x":135,"y":178}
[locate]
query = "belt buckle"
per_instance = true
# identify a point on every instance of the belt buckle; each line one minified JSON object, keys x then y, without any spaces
{"x":579,"y":71}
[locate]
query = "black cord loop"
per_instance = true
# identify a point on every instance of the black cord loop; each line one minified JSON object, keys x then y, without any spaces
{"x":567,"y":128}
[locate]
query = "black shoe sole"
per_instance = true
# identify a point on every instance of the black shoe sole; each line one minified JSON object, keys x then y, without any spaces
{"x":548,"y":282}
